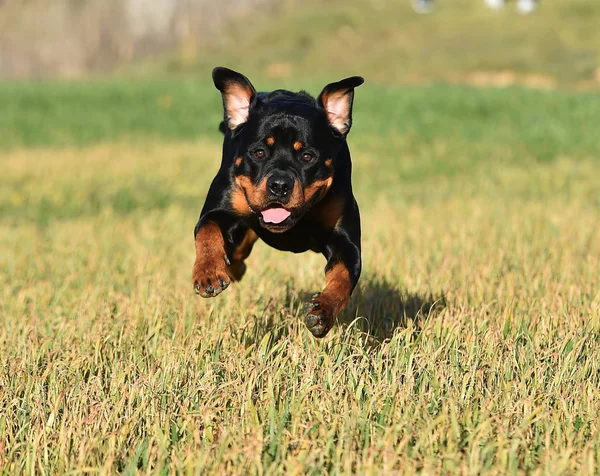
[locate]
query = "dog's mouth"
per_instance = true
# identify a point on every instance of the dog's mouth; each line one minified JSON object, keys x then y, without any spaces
{"x":275,"y":214}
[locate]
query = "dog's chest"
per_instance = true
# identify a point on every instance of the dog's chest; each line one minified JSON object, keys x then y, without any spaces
{"x":296,"y":240}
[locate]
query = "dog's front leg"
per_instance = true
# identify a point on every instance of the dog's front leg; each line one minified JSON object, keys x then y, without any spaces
{"x":210,"y":275}
{"x":341,"y":275}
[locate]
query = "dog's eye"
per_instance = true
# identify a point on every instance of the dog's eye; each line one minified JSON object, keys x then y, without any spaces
{"x":259,"y":154}
{"x":307,"y":157}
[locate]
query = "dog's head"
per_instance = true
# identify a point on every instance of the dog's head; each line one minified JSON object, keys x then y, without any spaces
{"x":283,"y":146}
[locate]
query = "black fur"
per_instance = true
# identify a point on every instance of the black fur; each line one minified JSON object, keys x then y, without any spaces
{"x":291,"y":135}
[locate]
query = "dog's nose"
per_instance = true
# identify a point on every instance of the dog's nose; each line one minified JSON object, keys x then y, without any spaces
{"x":280,"y":185}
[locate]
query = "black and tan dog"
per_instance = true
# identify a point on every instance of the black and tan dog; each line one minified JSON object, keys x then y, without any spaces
{"x":284,"y":178}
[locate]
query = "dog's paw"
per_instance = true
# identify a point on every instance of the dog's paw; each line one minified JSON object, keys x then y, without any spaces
{"x":321,"y":314}
{"x":210,"y":277}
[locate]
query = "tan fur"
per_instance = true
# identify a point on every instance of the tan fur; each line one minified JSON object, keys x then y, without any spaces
{"x":330,"y":212}
{"x":210,"y":259}
{"x":318,"y":186}
{"x":245,"y":247}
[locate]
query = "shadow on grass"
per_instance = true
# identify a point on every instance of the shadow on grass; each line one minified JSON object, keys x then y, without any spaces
{"x":377,"y":308}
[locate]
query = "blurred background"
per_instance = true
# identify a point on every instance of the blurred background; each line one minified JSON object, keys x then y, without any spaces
{"x":472,"y":41}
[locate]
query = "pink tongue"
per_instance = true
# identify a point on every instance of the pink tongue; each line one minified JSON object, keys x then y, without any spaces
{"x":275,"y":215}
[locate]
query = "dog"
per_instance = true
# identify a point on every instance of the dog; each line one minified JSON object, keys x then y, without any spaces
{"x":285,"y":177}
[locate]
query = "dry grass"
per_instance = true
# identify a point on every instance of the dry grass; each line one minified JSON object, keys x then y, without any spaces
{"x":471,"y":344}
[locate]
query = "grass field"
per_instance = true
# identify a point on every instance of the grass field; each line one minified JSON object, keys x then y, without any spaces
{"x":470,"y":345}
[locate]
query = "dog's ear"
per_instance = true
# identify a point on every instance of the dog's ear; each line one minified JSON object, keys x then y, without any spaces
{"x":336,"y":99}
{"x":238,"y":95}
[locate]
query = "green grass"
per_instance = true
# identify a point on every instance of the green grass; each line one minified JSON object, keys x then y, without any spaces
{"x":36,"y":114}
{"x":536,"y":124}
{"x":470,"y":345}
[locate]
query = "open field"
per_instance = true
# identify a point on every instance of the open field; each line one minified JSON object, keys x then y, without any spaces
{"x":470,"y":345}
